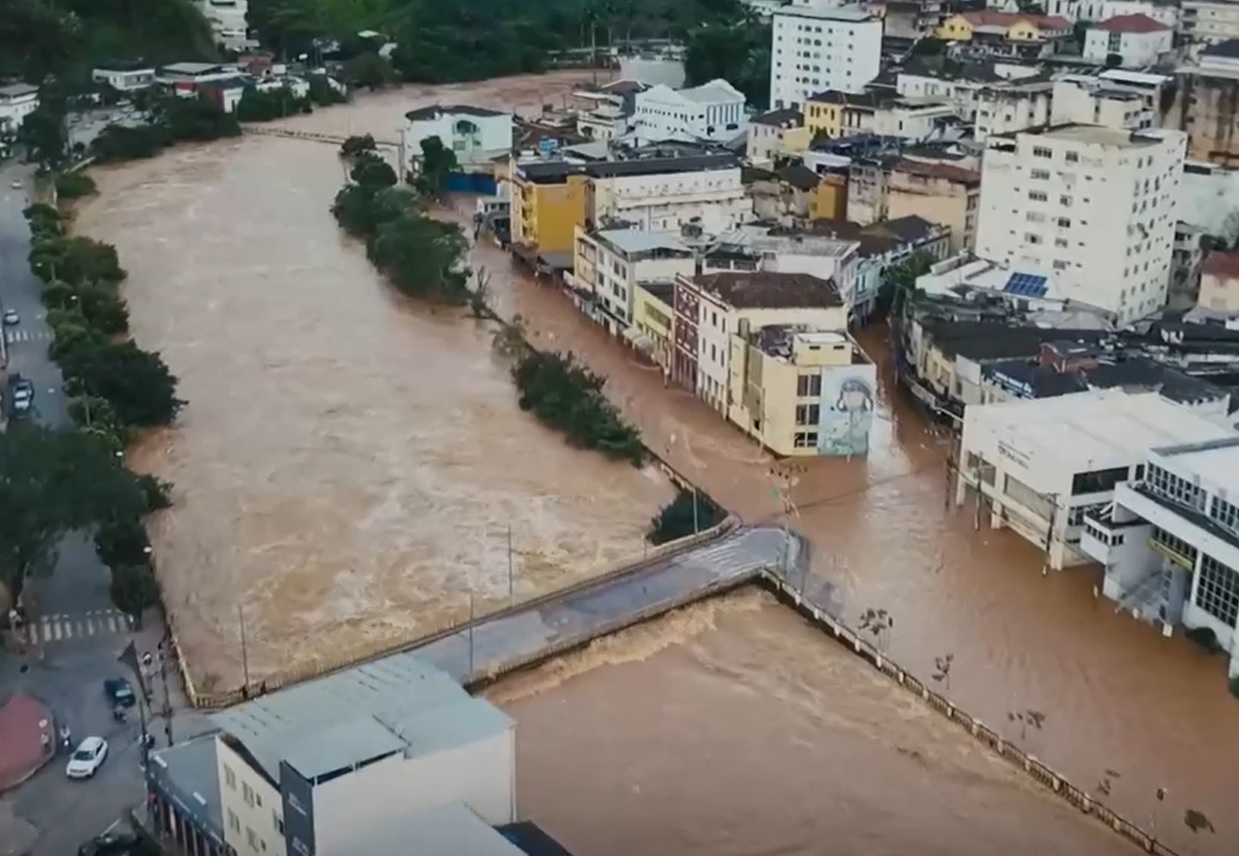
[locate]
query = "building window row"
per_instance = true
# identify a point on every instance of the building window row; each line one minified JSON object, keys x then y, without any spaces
{"x":1225,"y":513}
{"x":1217,"y":592}
{"x":805,"y":440}
{"x":1176,"y":546}
{"x":808,"y":385}
{"x":1176,"y":489}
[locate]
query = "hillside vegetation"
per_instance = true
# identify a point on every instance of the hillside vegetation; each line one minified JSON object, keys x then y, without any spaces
{"x":65,"y":38}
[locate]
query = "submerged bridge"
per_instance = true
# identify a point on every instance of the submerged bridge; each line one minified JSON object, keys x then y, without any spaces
{"x":309,"y":136}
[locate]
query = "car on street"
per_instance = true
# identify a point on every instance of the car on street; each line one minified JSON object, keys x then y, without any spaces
{"x":17,"y":184}
{"x":87,"y":758}
{"x":21,"y":394}
{"x":119,"y":692}
{"x":11,"y":317}
{"x":111,"y":844}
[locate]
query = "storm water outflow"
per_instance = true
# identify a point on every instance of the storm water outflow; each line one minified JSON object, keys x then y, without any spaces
{"x":349,"y":463}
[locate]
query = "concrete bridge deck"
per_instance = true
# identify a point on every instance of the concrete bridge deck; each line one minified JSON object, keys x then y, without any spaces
{"x":309,"y":136}
{"x":502,"y":643}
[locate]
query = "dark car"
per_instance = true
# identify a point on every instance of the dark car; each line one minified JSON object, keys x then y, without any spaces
{"x":110,"y":844}
{"x":120,"y":692}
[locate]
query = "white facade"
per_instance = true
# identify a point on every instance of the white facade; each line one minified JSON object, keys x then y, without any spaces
{"x":228,"y":22}
{"x":17,"y":101}
{"x":1043,"y":464}
{"x":715,"y":199}
{"x":1135,"y":47}
{"x":1170,"y":540}
{"x":1089,"y":100}
{"x":1207,"y":197}
{"x":616,"y":260}
{"x":605,"y":122}
{"x":473,"y":133}
{"x":1209,"y":21}
{"x":712,"y":111}
{"x":124,"y":80}
{"x":817,"y":255}
{"x":1099,"y":10}
{"x":1006,"y":108}
{"x":820,"y":47}
{"x":1091,"y":206}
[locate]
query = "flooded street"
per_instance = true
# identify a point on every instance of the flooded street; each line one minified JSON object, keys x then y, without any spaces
{"x":733,"y":728}
{"x":349,"y":464}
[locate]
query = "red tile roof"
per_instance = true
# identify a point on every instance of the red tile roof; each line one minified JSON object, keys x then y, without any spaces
{"x":1224,"y":264}
{"x":990,"y":18}
{"x":1131,"y":24}
{"x":930,"y":169}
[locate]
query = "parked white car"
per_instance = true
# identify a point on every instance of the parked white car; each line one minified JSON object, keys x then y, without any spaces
{"x":87,"y":758}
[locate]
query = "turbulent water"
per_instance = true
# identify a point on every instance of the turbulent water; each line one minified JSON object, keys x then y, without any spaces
{"x":350,"y":463}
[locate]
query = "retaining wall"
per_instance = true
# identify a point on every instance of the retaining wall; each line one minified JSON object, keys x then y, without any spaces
{"x":1043,"y":774}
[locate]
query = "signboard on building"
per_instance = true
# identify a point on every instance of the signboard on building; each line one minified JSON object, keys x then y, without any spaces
{"x":848,"y":398}
{"x":547,"y":147}
{"x":297,"y":795}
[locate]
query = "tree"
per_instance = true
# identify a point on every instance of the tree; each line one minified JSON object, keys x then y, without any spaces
{"x":509,"y":339}
{"x":369,"y":70}
{"x":43,"y":134}
{"x":422,"y":257}
{"x":45,"y":221}
{"x":123,"y":542}
{"x":127,"y":142}
{"x":55,"y":482}
{"x":361,"y":210}
{"x":264,"y":106}
{"x":480,"y":294}
{"x":689,"y":513}
{"x":438,"y":163}
{"x":878,"y":623}
{"x":737,"y":51}
{"x":373,"y":173}
{"x":137,"y":383}
{"x":133,"y":590}
{"x":74,"y":259}
{"x":74,"y":185}
{"x":899,"y":280}
{"x":356,"y":145}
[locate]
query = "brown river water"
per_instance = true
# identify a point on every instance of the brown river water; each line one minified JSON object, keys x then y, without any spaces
{"x":349,"y":464}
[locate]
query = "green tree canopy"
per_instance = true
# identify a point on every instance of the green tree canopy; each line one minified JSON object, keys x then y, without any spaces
{"x":137,"y":383}
{"x":51,"y":483}
{"x":373,"y":173}
{"x":422,"y":257}
{"x":736,"y":50}
{"x":133,"y":590}
{"x":438,"y":163}
{"x":75,"y":259}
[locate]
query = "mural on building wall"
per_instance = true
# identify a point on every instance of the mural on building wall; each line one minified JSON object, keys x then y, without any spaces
{"x":848,"y":396}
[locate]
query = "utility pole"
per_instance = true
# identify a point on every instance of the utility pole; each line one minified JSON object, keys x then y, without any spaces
{"x":245,"y":656}
{"x":511,"y":582}
{"x":696,"y":517}
{"x":470,"y":634}
{"x":593,"y":48}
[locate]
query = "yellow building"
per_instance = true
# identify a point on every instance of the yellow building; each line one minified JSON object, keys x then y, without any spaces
{"x":829,"y":200}
{"x":653,"y":320}
{"x":941,"y":193}
{"x":838,"y":114}
{"x":549,"y":200}
{"x":1017,"y":31}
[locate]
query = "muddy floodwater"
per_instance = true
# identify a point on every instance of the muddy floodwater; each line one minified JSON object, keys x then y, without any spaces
{"x":349,"y":464}
{"x":730,"y":729}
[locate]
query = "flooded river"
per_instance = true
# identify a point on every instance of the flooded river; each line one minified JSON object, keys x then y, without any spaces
{"x":349,"y":464}
{"x":733,"y":728}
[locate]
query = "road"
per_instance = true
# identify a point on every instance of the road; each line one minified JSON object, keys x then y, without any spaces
{"x":80,"y":634}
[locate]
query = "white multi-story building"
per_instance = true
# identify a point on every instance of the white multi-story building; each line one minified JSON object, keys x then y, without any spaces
{"x":1099,"y":10}
{"x":818,"y":47}
{"x":1107,"y":100}
{"x":1008,"y":107}
{"x":1038,"y":466}
{"x":1207,"y":196}
{"x":1093,"y":206}
{"x":613,"y":262}
{"x":712,"y":111}
{"x":228,"y":22}
{"x":17,"y":101}
{"x":1170,"y":540}
{"x":1209,"y":22}
{"x":124,"y":76}
{"x":761,"y":248}
{"x":706,"y":191}
{"x":1137,"y":41}
{"x":311,"y":768}
{"x":475,"y":134}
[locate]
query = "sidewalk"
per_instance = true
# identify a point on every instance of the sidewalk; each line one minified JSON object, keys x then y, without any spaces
{"x":27,"y":739}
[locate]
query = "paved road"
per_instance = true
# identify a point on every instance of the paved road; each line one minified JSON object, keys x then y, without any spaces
{"x":514,"y":638}
{"x":77,"y":628}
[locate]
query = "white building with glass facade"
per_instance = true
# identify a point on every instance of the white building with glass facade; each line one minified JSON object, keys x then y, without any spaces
{"x":1170,"y":540}
{"x":1040,"y":466}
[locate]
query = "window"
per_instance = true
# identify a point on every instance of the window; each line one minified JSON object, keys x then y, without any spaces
{"x":1035,"y":217}
{"x":247,"y":794}
{"x":234,"y":823}
{"x":1176,"y":489}
{"x":279,"y":823}
{"x":1217,"y":593}
{"x":1072,"y":157}
{"x":1037,"y":195}
{"x":1042,"y":152}
{"x":808,"y":386}
{"x":230,"y":777}
{"x":1030,"y":238}
{"x":1097,"y":481}
{"x":1064,"y":201}
{"x":805,"y":440}
{"x":1226,"y":513}
{"x":1064,"y":223}
{"x":251,"y":838}
{"x":1040,"y":174}
{"x":808,"y":414}
{"x":1185,"y":552}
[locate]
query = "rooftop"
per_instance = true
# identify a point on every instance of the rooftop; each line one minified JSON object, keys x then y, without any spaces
{"x":1135,"y":375}
{"x":945,"y":171}
{"x":17,"y":90}
{"x":634,"y":241}
{"x":434,"y":111}
{"x":394,"y":704}
{"x":557,"y":171}
{"x":710,"y":92}
{"x":1131,"y":24}
{"x":783,"y":241}
{"x":987,"y":341}
{"x":191,"y":771}
{"x":1096,"y":135}
{"x":836,"y":13}
{"x":1216,"y":462}
{"x":991,"y":18}
{"x":799,"y":176}
{"x":769,"y":290}
{"x":450,"y":830}
{"x":1094,"y":430}
{"x":1224,"y":264}
{"x":197,"y":68}
{"x":779,"y":340}
{"x":664,"y":291}
{"x":786,"y":117}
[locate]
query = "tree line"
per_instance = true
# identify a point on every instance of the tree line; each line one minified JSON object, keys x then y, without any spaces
{"x":425,"y":258}
{"x":62,"y":480}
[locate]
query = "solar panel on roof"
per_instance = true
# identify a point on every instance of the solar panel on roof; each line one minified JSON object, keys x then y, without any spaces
{"x":1026,"y":285}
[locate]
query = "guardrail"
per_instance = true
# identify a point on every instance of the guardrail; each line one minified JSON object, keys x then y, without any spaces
{"x":213,"y":701}
{"x":1043,"y":774}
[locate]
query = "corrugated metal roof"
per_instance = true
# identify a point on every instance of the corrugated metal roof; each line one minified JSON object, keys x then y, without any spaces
{"x":353,"y":716}
{"x":450,"y":830}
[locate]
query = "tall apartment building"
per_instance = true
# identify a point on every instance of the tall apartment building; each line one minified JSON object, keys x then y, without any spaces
{"x":1209,"y":22}
{"x":815,"y":46}
{"x":228,"y":20}
{"x":1207,"y":104}
{"x":1101,"y":100}
{"x":1092,"y":206}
